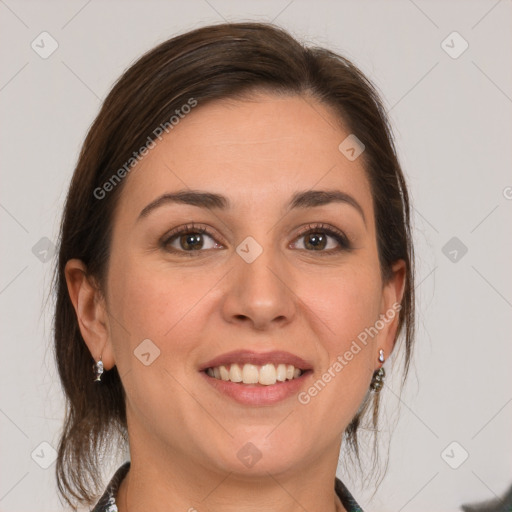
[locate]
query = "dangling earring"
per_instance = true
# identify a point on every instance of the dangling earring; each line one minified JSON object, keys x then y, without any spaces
{"x":378,"y":376}
{"x":98,"y":370}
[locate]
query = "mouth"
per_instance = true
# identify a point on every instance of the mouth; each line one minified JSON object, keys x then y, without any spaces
{"x":257,"y":378}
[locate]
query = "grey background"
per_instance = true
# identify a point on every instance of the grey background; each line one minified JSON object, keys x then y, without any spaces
{"x":452,"y":121}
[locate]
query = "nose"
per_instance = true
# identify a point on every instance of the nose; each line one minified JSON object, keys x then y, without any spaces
{"x":260,"y":293}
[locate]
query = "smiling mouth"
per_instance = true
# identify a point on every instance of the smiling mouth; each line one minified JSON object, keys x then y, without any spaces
{"x":266,"y":374}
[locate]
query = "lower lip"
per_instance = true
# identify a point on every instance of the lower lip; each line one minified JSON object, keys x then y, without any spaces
{"x":257,"y":394}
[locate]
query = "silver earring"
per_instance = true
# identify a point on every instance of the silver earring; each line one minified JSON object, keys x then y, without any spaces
{"x":378,"y":376}
{"x":98,"y":370}
{"x":378,"y":380}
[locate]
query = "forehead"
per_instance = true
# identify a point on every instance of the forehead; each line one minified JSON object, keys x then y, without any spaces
{"x":257,"y":149}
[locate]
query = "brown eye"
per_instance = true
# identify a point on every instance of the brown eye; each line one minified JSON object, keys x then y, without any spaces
{"x":323,"y":240}
{"x":315,"y":241}
{"x":190,"y":242}
{"x":189,"y":239}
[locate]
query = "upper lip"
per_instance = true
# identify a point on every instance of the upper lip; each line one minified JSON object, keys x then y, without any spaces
{"x":257,"y":358}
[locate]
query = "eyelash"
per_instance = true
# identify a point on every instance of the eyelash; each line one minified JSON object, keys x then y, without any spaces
{"x":339,"y":236}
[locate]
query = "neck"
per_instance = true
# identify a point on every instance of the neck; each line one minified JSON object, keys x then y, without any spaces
{"x":160,"y":481}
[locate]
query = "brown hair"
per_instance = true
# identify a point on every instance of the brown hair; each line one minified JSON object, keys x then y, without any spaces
{"x":210,"y":63}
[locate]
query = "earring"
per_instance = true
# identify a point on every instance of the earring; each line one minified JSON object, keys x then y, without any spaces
{"x":378,"y":376}
{"x":378,"y":380}
{"x":98,"y":370}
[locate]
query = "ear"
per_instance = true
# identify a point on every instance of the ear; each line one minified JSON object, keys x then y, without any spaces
{"x":91,"y":312}
{"x":392,"y":294}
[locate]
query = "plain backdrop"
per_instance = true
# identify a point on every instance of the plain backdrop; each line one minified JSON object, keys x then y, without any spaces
{"x":450,"y":106}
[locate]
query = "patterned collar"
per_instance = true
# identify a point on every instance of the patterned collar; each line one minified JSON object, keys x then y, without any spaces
{"x":107,"y":502}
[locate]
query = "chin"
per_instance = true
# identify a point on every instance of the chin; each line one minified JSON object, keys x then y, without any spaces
{"x":260,"y":453}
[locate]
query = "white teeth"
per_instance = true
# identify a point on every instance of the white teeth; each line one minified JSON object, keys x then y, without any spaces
{"x":250,"y":374}
{"x":235,"y":373}
{"x":281,"y":372}
{"x":267,"y":374}
{"x":224,"y":374}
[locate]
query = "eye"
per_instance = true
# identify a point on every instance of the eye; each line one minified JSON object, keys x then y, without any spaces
{"x":188,"y":239}
{"x":322,"y":239}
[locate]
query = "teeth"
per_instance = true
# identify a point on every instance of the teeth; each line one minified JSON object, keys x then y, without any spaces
{"x":224,"y":374}
{"x":250,"y":374}
{"x":281,"y":372}
{"x":235,"y":373}
{"x":267,"y":375}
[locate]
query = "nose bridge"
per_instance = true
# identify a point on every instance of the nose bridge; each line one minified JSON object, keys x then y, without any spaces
{"x":260,"y":286}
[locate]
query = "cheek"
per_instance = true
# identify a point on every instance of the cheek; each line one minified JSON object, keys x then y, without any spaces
{"x":149,"y":301}
{"x":346,"y":301}
{"x":348,"y":305}
{"x":160,"y":305}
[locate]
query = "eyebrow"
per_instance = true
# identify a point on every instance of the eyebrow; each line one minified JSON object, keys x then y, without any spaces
{"x":209,"y":200}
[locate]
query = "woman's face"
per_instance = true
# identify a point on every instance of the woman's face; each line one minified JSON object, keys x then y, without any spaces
{"x":246,"y":286}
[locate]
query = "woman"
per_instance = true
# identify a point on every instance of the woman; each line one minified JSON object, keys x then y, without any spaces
{"x":236,"y":265}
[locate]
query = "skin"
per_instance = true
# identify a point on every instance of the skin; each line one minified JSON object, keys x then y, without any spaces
{"x":184,"y":435}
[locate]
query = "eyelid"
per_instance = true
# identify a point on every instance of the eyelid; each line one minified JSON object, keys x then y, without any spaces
{"x":189,"y":228}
